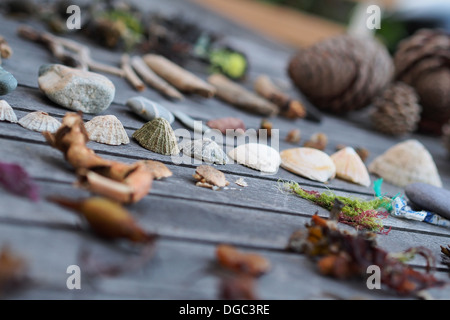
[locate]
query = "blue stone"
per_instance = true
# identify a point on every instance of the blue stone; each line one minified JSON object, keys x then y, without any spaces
{"x":7,"y":82}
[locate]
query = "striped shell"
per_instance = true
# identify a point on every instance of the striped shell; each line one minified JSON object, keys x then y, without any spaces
{"x":157,"y":136}
{"x":40,"y":121}
{"x":107,"y":129}
{"x":204,"y":149}
{"x":6,"y":112}
{"x":310,"y":163}
{"x":257,"y":156}
{"x":350,"y":167}
{"x":405,"y":163}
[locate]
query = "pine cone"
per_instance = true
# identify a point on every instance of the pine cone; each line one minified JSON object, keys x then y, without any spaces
{"x":343,"y":73}
{"x":423,"y":61}
{"x":396,"y":111}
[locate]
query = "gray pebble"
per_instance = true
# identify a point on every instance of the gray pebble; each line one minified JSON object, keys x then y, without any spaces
{"x":7,"y":82}
{"x":430,"y":198}
{"x":148,"y":109}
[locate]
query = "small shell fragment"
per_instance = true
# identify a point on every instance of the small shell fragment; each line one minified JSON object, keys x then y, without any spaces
{"x":267,"y":125}
{"x":257,"y":156}
{"x":405,"y":163}
{"x":350,"y":167}
{"x":158,"y":169}
{"x":309,"y":163}
{"x":241,"y":182}
{"x":293,"y":136}
{"x":107,"y":129}
{"x":158,"y":136}
{"x":317,"y":141}
{"x":206,"y":150}
{"x":209,"y":177}
{"x":40,"y":121}
{"x":7,"y":112}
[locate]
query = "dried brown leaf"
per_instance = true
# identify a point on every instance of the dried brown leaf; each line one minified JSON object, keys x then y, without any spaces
{"x":247,"y":263}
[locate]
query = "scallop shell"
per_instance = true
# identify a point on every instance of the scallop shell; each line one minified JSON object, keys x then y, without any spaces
{"x":350,"y":167}
{"x":405,"y":163}
{"x":310,"y":163}
{"x":6,"y":112}
{"x":148,"y":109}
{"x":158,"y":136}
{"x":40,"y":121}
{"x":257,"y":156}
{"x":107,"y":129}
{"x":206,"y":150}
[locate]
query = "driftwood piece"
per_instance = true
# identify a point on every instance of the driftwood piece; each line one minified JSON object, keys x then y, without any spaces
{"x":68,"y":51}
{"x":288,"y":107}
{"x":180,"y":78}
{"x":240,"y":97}
{"x":153,"y":80}
{"x":129,"y":73}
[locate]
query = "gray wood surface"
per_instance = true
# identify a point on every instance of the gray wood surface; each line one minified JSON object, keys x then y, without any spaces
{"x":190,"y":220}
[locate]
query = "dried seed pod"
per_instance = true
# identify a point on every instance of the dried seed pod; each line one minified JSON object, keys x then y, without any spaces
{"x":158,"y":136}
{"x":293,"y":136}
{"x":6,"y":112}
{"x":210,"y":177}
{"x":267,"y":125}
{"x":228,"y":123}
{"x":40,"y":121}
{"x":247,"y":263}
{"x":317,"y":141}
{"x":107,"y":129}
{"x":107,"y":218}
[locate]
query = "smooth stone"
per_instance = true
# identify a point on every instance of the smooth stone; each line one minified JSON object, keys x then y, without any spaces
{"x":196,"y":125}
{"x":7,"y":82}
{"x":148,"y":109}
{"x":76,"y":89}
{"x":430,"y":198}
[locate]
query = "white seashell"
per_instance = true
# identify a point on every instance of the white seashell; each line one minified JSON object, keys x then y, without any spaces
{"x":310,"y":163}
{"x":405,"y":163}
{"x":40,"y":121}
{"x":204,"y":149}
{"x":350,"y":167}
{"x":257,"y":156}
{"x":107,"y":129}
{"x":6,"y":112}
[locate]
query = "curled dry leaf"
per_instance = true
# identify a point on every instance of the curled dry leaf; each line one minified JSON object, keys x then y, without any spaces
{"x":107,"y":218}
{"x":210,"y":177}
{"x":13,"y":270}
{"x":246,"y":263}
{"x":344,"y":255}
{"x":16,"y":180}
{"x":127,"y":183}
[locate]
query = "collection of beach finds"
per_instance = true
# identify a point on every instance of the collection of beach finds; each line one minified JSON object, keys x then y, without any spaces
{"x":401,"y":104}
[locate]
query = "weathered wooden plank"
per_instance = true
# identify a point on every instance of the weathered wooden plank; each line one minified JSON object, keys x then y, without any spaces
{"x":47,"y":164}
{"x":179,"y":270}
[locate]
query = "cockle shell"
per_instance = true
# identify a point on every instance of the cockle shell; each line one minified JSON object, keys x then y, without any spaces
{"x":310,"y":163}
{"x":40,"y":121}
{"x":350,"y":167}
{"x":6,"y":112}
{"x":107,"y":129}
{"x":148,"y":109}
{"x":405,"y":163}
{"x":158,"y":136}
{"x":257,"y":156}
{"x":204,"y":149}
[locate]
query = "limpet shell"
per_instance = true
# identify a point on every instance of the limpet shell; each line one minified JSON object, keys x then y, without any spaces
{"x":204,"y":149}
{"x":350,"y":167}
{"x":40,"y":121}
{"x":310,"y":163}
{"x":157,"y":136}
{"x":257,"y":156}
{"x":405,"y":163}
{"x":148,"y":109}
{"x":6,"y":112}
{"x":107,"y":129}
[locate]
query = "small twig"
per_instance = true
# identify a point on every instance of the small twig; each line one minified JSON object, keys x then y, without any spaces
{"x":130,"y":75}
{"x":81,"y":57}
{"x":153,"y":80}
